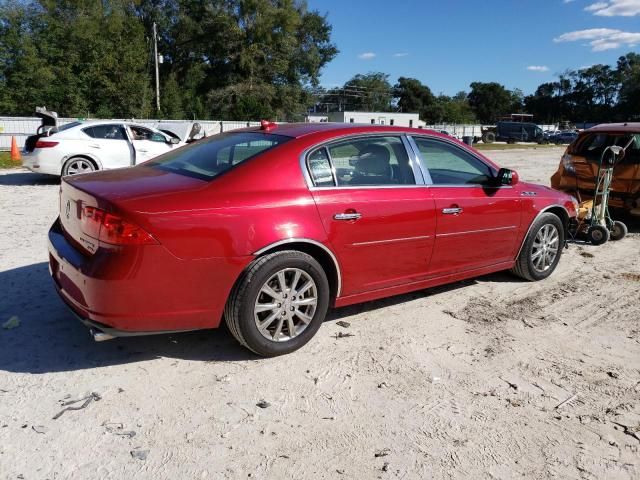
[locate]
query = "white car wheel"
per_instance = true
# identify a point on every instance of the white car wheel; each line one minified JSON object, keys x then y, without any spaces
{"x":77,"y":165}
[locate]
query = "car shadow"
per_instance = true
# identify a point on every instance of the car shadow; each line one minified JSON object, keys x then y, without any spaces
{"x":49,"y":338}
{"x":27,"y":179}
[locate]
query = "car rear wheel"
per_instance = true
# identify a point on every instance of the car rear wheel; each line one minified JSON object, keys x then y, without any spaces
{"x":77,"y":165}
{"x":542,"y":248}
{"x":279,"y":303}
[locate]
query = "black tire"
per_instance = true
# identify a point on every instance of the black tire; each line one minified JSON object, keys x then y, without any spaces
{"x":239,"y":311}
{"x":598,"y":234}
{"x":489,"y":137}
{"x":618,"y":231}
{"x":69,"y":167}
{"x":524,"y":267}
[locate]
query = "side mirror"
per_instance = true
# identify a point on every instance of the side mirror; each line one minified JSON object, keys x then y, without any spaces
{"x":507,"y":177}
{"x":174,"y":141}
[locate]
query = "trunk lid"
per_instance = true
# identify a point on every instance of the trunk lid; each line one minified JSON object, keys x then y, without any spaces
{"x":135,"y":193}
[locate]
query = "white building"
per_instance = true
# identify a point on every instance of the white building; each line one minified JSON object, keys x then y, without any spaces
{"x":378,"y":118}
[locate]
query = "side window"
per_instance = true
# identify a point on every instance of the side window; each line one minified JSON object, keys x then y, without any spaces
{"x":450,"y":165}
{"x":140,"y":133}
{"x":320,"y":168}
{"x":371,"y":161}
{"x":108,"y":132}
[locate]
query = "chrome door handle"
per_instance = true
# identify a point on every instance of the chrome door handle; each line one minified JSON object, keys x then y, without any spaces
{"x":452,"y":211}
{"x":93,"y":145}
{"x":347,"y":216}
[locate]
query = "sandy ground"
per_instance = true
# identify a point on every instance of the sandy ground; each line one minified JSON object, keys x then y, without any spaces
{"x":493,"y":378}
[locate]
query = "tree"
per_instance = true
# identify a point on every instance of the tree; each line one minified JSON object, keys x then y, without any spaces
{"x":412,"y":96}
{"x":364,"y":92}
{"x":84,"y":57}
{"x":489,"y":101}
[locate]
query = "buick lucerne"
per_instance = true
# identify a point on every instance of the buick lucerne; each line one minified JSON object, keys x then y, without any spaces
{"x":266,"y":228}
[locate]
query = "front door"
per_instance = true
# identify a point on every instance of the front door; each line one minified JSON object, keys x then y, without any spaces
{"x":379,"y":219}
{"x":147,"y":143}
{"x":477,"y":220}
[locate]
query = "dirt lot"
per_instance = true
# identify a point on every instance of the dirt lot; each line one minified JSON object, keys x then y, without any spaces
{"x":493,"y":378}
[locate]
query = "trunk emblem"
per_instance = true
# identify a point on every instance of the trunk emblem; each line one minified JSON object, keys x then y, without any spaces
{"x":68,"y":209}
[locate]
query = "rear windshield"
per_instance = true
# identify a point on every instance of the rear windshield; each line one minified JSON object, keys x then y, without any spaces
{"x":206,"y":159}
{"x":593,"y":145}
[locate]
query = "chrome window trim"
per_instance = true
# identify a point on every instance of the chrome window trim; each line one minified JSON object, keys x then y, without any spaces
{"x":312,"y":242}
{"x":457,"y":147}
{"x":544,"y":210}
{"x":415,"y":167}
{"x":426,"y":175}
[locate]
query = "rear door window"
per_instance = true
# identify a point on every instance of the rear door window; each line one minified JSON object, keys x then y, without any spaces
{"x":108,"y":132}
{"x":371,"y":161}
{"x":206,"y":159}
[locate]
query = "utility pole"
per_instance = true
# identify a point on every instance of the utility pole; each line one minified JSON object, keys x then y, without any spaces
{"x":155,"y":60}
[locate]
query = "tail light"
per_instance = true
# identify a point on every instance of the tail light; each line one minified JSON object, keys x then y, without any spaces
{"x":112,"y":229}
{"x":45,"y":144}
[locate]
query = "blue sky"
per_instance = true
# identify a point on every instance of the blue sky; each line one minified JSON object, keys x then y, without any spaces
{"x":447,"y":44}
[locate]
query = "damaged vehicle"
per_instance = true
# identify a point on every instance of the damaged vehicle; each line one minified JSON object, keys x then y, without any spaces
{"x":88,"y":146}
{"x":266,"y":228}
{"x":578,"y":167}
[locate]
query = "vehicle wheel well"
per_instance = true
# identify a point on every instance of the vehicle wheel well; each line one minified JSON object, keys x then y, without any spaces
{"x":320,"y":255}
{"x":562,"y":214}
{"x":86,"y":157}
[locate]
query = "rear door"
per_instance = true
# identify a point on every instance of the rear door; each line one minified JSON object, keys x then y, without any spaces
{"x":377,"y":212}
{"x":109,"y":144}
{"x":477,"y":221}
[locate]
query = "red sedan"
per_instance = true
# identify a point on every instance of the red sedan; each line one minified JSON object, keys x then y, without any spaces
{"x":268,"y":227}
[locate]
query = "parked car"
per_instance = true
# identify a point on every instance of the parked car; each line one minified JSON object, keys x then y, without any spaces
{"x":81,"y":147}
{"x":268,"y":227}
{"x":512,"y":132}
{"x":578,"y":166}
{"x":565,"y":137}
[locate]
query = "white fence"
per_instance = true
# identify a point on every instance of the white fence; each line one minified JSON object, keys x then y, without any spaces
{"x":470,"y":130}
{"x":22,"y":127}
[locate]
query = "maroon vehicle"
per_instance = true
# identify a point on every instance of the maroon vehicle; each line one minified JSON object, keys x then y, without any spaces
{"x":269,"y":227}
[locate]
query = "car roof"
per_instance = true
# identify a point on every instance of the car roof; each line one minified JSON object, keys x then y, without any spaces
{"x":297,"y":130}
{"x":616,"y":127}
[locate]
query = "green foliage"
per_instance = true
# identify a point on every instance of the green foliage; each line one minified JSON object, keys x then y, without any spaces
{"x":370,"y":92}
{"x":490,"y":101}
{"x":413,"y":96}
{"x":223,"y":58}
{"x":599,"y":93}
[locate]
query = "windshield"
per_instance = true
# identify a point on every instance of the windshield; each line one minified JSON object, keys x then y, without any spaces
{"x":206,"y":159}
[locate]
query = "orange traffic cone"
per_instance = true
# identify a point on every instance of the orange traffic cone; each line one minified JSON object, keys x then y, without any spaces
{"x":15,"y":153}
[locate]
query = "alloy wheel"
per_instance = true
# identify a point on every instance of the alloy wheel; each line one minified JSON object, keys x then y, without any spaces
{"x":285,"y":305}
{"x":79,"y":165}
{"x":545,"y":247}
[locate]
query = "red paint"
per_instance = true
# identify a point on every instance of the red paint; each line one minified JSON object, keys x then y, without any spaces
{"x":205,"y":233}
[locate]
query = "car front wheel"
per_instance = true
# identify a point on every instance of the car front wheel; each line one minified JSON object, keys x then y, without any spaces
{"x":542,"y":248}
{"x":279,"y":303}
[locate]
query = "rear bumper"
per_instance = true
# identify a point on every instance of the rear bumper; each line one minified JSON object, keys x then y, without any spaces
{"x":140,"y":290}
{"x":45,"y":161}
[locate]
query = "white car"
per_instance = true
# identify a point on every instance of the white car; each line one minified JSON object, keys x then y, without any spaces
{"x":81,"y":147}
